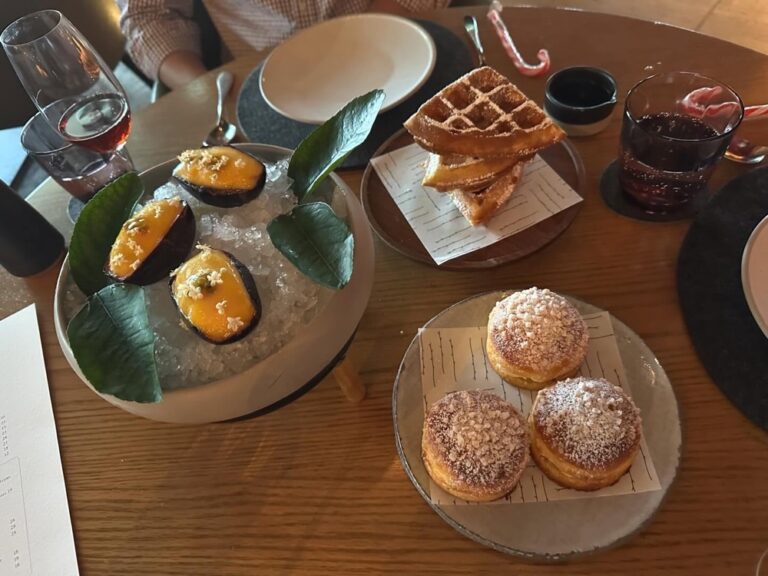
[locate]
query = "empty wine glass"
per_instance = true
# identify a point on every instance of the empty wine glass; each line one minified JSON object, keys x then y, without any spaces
{"x":68,"y":81}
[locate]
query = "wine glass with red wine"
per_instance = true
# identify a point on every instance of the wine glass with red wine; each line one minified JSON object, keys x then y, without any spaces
{"x":72,"y":87}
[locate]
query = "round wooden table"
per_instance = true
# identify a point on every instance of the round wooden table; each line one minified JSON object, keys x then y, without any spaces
{"x":317,"y":487}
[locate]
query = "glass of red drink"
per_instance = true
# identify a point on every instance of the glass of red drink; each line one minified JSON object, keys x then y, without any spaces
{"x":68,"y":81}
{"x":676,"y":127}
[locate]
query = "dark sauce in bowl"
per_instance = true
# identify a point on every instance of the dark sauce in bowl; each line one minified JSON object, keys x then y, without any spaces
{"x":581,"y":95}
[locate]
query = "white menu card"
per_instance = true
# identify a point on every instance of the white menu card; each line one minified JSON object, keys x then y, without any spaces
{"x":443,"y":231}
{"x":35,"y":530}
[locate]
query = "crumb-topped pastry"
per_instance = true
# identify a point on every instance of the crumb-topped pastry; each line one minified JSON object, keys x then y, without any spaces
{"x":535,"y":337}
{"x":475,"y":445}
{"x":585,"y":432}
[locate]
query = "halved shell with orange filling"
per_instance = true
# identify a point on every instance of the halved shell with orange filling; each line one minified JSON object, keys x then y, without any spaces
{"x":220,"y":175}
{"x":152,"y":242}
{"x":216,"y":296}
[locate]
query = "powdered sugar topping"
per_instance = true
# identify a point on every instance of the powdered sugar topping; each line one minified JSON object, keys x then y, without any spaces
{"x":481,"y":438}
{"x":538,"y":329}
{"x":590,"y":422}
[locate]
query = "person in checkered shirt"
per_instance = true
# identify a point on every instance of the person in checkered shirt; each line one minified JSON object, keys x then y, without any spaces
{"x":163,"y":39}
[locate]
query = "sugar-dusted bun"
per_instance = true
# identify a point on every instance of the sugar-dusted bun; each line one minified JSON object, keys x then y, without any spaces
{"x":536,"y":337}
{"x":585,"y":432}
{"x":474,"y":445}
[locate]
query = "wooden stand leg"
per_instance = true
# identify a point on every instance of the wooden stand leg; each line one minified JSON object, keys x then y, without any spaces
{"x":349,"y":381}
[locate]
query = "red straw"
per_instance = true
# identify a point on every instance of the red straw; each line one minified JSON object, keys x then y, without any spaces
{"x":494,"y":15}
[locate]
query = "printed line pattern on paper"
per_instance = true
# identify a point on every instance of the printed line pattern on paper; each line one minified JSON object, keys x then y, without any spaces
{"x":441,"y":228}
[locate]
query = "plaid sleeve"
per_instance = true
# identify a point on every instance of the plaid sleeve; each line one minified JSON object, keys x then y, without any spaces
{"x":420,"y":5}
{"x":154,"y":29}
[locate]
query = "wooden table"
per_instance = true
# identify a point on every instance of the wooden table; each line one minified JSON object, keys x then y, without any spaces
{"x":317,"y":487}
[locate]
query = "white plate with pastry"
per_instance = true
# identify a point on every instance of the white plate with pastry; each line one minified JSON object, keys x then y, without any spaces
{"x":542,"y":519}
{"x":754,"y":274}
{"x":310,"y":76}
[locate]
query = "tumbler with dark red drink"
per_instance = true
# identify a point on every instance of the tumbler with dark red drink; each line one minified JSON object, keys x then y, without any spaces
{"x":668,"y":150}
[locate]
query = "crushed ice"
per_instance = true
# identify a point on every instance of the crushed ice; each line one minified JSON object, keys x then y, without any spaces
{"x":289,"y":299}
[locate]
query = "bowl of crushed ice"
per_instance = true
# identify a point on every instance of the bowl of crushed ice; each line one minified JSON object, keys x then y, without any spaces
{"x":304,"y":326}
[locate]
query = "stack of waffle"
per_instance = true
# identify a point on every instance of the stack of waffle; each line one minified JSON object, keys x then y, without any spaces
{"x":480,"y":132}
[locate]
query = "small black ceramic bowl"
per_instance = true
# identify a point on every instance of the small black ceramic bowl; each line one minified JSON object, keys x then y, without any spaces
{"x":580,"y":99}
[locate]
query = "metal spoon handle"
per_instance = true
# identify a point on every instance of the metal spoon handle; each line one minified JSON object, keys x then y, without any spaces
{"x":470,"y":25}
{"x":743,"y":151}
{"x":223,"y":85}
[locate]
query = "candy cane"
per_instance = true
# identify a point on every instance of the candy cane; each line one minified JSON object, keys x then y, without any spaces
{"x":494,"y":15}
{"x":695,"y":103}
{"x":752,"y":112}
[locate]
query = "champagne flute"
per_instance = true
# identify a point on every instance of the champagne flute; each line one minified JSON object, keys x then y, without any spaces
{"x":68,"y":81}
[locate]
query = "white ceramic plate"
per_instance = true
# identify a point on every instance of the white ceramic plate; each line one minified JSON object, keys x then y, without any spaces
{"x":312,"y":75}
{"x":754,"y":274}
{"x":279,"y":377}
{"x":557,"y":530}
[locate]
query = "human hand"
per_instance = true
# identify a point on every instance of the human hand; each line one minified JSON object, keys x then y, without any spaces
{"x":180,"y":68}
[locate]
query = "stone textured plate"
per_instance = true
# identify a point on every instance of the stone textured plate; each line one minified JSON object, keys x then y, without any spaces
{"x":260,"y":123}
{"x":754,"y":274}
{"x":312,"y":75}
{"x":551,"y":531}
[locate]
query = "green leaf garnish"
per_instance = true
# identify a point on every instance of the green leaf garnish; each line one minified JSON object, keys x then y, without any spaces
{"x":311,"y":236}
{"x":114,"y":344}
{"x":327,"y":146}
{"x":317,"y":242}
{"x":96,"y":230}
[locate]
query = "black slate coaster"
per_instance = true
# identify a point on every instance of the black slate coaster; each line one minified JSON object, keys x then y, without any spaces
{"x":616,"y":200}
{"x":262,"y":124}
{"x":727,"y":339}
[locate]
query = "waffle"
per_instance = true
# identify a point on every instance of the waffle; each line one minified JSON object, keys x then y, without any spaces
{"x":446,"y":173}
{"x":482,"y":114}
{"x":477,"y":207}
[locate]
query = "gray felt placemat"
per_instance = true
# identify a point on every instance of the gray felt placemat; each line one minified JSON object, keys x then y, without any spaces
{"x":727,"y":339}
